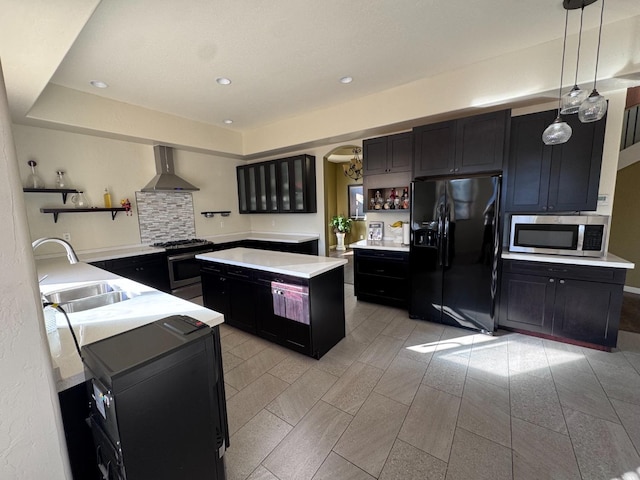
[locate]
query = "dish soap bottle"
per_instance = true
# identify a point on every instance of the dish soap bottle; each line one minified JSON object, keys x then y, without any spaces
{"x":107,"y":198}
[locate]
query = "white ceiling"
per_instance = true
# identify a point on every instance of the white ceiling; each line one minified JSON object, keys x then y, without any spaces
{"x":284,"y":57}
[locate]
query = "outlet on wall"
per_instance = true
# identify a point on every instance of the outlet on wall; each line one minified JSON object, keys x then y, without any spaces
{"x":221,"y":224}
{"x":273,"y":223}
{"x":66,"y":237}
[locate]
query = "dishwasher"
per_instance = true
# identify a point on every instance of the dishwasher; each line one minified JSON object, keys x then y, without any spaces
{"x":157,"y":402}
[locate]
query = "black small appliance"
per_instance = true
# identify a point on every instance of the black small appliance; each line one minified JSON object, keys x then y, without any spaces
{"x":157,"y":408}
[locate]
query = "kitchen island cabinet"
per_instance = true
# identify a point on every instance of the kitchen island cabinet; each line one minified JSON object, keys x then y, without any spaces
{"x":575,"y":303}
{"x":291,"y":299}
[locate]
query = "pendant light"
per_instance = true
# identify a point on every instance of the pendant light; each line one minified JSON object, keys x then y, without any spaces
{"x":595,"y":106}
{"x":354,"y":168}
{"x":559,"y":131}
{"x":571,"y":101}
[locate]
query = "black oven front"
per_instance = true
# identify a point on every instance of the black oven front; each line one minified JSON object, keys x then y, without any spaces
{"x":184,"y":272}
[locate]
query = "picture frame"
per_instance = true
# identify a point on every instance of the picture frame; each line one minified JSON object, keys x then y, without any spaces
{"x":355,"y":194}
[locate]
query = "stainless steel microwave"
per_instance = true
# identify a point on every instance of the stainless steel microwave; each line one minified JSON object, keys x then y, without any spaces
{"x":578,"y":235}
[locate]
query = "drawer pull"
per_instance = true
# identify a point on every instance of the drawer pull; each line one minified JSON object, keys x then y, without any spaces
{"x":551,"y":280}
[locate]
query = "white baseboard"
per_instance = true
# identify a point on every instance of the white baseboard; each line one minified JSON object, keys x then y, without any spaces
{"x":635,"y":290}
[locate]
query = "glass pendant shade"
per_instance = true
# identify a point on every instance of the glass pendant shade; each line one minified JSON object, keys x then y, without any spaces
{"x":571,"y":101}
{"x":558,"y":132}
{"x":593,"y":108}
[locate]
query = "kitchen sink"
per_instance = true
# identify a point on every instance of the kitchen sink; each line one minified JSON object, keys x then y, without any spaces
{"x":87,"y":297}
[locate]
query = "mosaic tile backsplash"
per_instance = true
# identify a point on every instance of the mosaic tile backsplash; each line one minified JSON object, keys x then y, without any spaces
{"x":165,"y":216}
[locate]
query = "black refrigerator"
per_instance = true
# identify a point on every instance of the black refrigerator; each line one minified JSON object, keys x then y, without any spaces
{"x":454,"y":251}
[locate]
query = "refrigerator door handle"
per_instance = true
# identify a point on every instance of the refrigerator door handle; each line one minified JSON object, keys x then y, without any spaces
{"x":439,"y":242}
{"x":445,"y":256}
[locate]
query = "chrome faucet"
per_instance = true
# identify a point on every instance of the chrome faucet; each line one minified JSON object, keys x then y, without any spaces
{"x":71,"y":255}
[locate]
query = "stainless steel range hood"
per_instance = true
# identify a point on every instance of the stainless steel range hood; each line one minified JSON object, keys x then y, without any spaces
{"x":166,"y":179}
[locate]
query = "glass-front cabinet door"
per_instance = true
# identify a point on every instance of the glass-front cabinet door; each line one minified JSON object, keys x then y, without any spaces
{"x":286,"y":185}
{"x":242,"y":189}
{"x":298,"y":187}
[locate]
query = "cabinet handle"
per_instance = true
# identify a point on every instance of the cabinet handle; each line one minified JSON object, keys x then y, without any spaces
{"x":551,"y":207}
{"x":456,"y":169}
{"x":451,"y":170}
{"x":561,"y":281}
{"x":544,"y":207}
{"x":379,"y":270}
{"x":551,"y":280}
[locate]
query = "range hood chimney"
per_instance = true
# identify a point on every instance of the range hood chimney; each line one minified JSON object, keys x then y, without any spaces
{"x":166,"y":179}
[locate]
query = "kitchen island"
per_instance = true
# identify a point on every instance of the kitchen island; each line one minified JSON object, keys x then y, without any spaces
{"x":291,"y":299}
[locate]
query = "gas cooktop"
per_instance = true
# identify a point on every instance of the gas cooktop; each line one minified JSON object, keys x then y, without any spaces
{"x":183,"y":244}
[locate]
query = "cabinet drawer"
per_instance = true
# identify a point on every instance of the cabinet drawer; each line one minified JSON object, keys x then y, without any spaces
{"x":561,"y":270}
{"x":211,"y":267}
{"x":239,"y":272}
{"x":382,"y":254}
{"x":380,"y":287}
{"x":383,"y":268}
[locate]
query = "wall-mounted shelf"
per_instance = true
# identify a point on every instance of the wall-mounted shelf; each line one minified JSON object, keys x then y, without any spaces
{"x":63,"y":191}
{"x":224,"y":213}
{"x":57,"y":211}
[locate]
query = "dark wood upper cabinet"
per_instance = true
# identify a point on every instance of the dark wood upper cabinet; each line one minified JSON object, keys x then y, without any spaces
{"x":434,"y":149}
{"x":286,"y":185}
{"x":465,"y":146}
{"x":560,"y":178}
{"x":390,"y":154}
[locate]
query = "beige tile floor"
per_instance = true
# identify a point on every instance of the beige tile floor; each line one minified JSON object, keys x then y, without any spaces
{"x":406,"y":399}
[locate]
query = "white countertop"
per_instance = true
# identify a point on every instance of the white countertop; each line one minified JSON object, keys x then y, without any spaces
{"x":111,"y":253}
{"x":609,"y":260}
{"x":380,"y":245}
{"x":293,"y":264}
{"x":265,"y":237}
{"x":98,"y":323}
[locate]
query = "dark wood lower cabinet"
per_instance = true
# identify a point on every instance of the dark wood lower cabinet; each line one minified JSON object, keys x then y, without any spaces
{"x":382,"y":276}
{"x":151,"y":269}
{"x":314,"y":320}
{"x":576,"y":303}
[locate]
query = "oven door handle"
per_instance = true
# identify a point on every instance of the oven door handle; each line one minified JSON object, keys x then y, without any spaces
{"x":183,"y":256}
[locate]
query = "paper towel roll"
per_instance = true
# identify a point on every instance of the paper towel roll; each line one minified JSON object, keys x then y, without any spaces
{"x":406,"y":235}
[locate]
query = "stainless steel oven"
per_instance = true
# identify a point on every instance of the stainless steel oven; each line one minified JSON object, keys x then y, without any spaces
{"x":184,"y":269}
{"x":578,"y":235}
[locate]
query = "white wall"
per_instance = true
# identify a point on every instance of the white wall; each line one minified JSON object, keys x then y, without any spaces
{"x":32,"y":444}
{"x":93,"y":163}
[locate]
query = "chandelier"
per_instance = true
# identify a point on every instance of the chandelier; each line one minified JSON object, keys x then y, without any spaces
{"x":353,"y":169}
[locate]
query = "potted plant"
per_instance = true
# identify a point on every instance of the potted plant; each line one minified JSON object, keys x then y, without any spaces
{"x":341,"y":225}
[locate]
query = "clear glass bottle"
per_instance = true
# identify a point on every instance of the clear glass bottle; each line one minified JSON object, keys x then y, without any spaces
{"x":60,"y":182}
{"x":33,"y":180}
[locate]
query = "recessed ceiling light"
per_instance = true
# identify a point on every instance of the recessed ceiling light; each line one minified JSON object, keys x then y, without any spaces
{"x":227,"y":121}
{"x":346,"y":80}
{"x":223,"y":81}
{"x":98,"y":84}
